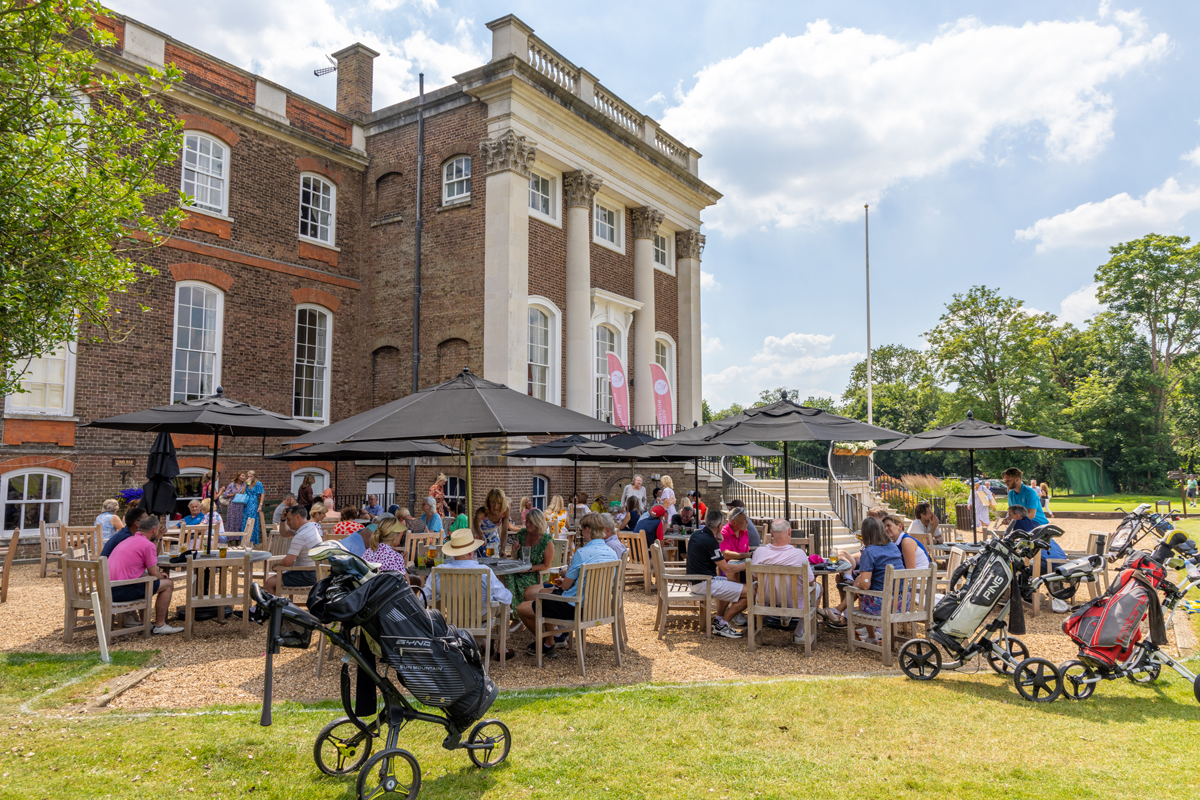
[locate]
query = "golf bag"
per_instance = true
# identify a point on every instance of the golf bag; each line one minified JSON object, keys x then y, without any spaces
{"x":439,"y":664}
{"x":960,"y":613}
{"x":1108,"y":628}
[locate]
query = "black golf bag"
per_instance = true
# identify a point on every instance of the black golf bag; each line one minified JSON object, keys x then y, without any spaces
{"x":439,"y":664}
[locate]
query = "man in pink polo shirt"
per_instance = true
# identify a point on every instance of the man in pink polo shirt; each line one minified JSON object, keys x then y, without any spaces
{"x":781,"y":552}
{"x":135,"y":557}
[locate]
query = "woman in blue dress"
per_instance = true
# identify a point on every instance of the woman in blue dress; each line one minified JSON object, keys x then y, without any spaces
{"x":254,"y":493}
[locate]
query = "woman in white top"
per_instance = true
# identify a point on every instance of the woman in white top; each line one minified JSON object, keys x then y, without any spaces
{"x":911,"y":550}
{"x":108,"y":520}
{"x":667,"y":498}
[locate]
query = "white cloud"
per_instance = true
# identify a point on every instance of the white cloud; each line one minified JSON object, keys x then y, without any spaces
{"x":286,"y":41}
{"x":708,"y":283}
{"x":809,"y":128}
{"x":1192,"y":156}
{"x":796,"y":359}
{"x":1116,"y":219}
{"x":1080,"y":305}
{"x":657,"y":97}
{"x":710,"y":345}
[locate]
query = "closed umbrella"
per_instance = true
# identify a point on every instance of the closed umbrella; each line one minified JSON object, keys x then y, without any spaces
{"x":971,"y":434}
{"x":216,"y":415}
{"x":159,"y":492}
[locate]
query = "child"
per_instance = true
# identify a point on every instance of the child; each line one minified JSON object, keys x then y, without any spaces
{"x":878,"y":552}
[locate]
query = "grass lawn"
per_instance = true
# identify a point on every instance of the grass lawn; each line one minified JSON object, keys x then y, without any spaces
{"x":959,"y":737}
{"x":1107,"y":502}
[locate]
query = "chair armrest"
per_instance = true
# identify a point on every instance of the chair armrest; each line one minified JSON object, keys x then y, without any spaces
{"x":146,"y":579}
{"x":690,"y":578}
{"x":852,"y":589}
{"x":549,"y":596}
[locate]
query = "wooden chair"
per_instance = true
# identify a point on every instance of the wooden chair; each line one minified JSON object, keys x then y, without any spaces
{"x":925,"y":539}
{"x":80,"y":579}
{"x":294,"y":591}
{"x":463,"y":595}
{"x":638,"y":569}
{"x":228,"y":582}
{"x":803,"y":542}
{"x":946,"y":530}
{"x":675,"y":592}
{"x":51,"y":536}
{"x":907,"y":596}
{"x":595,"y":604}
{"x":784,"y":592}
{"x":1097,"y":544}
{"x":278,"y":546}
{"x":417,"y":545}
{"x":6,"y":562}
{"x":327,"y":528}
{"x":194,"y":537}
{"x":953,"y":562}
{"x":82,"y":536}
{"x":560,"y":560}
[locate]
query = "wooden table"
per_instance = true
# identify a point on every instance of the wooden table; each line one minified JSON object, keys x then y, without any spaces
{"x":824,"y":574}
{"x":256,"y":556}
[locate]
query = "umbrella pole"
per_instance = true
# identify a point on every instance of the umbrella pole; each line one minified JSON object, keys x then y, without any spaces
{"x":386,"y":479}
{"x":971,"y":499}
{"x":470,"y":496}
{"x":697,"y":466}
{"x":575,"y":497}
{"x":212,"y":509}
{"x":336,"y":482}
{"x":787,"y":496}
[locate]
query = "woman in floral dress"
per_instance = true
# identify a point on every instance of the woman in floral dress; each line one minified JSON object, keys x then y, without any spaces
{"x":235,"y":512}
{"x":541,"y":546}
{"x":254,"y":493}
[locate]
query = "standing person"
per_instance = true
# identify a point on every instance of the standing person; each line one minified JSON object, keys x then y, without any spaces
{"x":667,"y":498}
{"x":438,"y":492}
{"x":491,"y":523}
{"x":635,"y":490}
{"x":138,"y":556}
{"x":1044,"y":492}
{"x":983,"y":502}
{"x":108,"y":520}
{"x":704,"y":557}
{"x":206,"y":485}
{"x":304,"y":495}
{"x":254,"y":493}
{"x":234,"y":511}
{"x":1021,"y":495}
{"x":1191,"y":489}
{"x":523,"y":509}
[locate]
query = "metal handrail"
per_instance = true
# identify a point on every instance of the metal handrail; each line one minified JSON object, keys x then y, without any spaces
{"x":768,"y":467}
{"x":814,"y":523}
{"x":848,"y":508}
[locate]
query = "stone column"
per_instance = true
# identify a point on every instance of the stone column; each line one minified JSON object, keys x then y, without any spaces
{"x":579,"y":190}
{"x":506,"y":159}
{"x":645,"y":224}
{"x":688,"y":246}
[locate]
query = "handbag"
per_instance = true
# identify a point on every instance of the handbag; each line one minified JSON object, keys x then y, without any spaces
{"x":240,"y":497}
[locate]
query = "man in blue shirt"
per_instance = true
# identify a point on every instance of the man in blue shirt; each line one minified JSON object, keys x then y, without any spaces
{"x":594,"y":552}
{"x":1021,"y":495}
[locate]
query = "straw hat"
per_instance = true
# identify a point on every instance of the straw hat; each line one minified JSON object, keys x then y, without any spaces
{"x":462,"y":541}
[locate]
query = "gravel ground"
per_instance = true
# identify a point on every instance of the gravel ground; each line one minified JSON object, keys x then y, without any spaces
{"x":220,"y":667}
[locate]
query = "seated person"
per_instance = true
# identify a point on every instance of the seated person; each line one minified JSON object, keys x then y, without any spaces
{"x":380,"y":544}
{"x":610,"y":535}
{"x":704,"y":557}
{"x":735,"y":538}
{"x":132,"y":515}
{"x":317,"y":513}
{"x":633,"y":513}
{"x":460,"y":554}
{"x":218,"y":523}
{"x":373,"y":508}
{"x":877,"y":552}
{"x":594,"y":551}
{"x":686,"y":518}
{"x":1024,"y":519}
{"x":289,"y":500}
{"x":135,"y":556}
{"x":925,"y":522}
{"x":429,"y":521}
{"x":652,"y":526}
{"x":781,"y":552}
{"x":751,"y":530}
{"x":600,"y":504}
{"x":307,"y":535}
{"x":194,"y":517}
{"x":352,"y":529}
{"x":911,"y":550}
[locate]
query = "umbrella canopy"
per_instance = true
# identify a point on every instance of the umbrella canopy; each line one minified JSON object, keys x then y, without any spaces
{"x":216,"y":415}
{"x":365,"y":450}
{"x":787,"y":421}
{"x":673,"y":449}
{"x":575,"y":449}
{"x":159,"y":493}
{"x":628,"y":439}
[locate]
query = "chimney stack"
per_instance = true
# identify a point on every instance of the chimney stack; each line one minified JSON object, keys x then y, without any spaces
{"x":355,"y":80}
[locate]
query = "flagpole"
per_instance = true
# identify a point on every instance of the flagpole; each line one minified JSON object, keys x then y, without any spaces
{"x":870,"y":376}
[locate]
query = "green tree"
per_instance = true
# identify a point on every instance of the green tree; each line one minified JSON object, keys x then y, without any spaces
{"x":79,"y":147}
{"x":1154,"y":282}
{"x":892,"y":363}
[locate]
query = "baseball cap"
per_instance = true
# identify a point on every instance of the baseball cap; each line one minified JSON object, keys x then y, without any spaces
{"x":658,"y":511}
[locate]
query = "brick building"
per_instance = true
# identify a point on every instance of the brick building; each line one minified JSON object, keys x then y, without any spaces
{"x":559,"y":224}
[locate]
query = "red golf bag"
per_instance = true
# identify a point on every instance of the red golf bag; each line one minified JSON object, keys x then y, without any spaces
{"x":1108,"y":628}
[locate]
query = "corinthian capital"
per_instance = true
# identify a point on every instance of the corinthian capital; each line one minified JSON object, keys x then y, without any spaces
{"x":507,"y":151}
{"x":579,"y":189}
{"x":645,"y":222}
{"x":689,"y":244}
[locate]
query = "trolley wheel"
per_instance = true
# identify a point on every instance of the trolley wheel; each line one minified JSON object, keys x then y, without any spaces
{"x":341,"y":747}
{"x":1073,"y":674}
{"x":1149,"y":675}
{"x":1038,"y":680}
{"x":920,"y":660}
{"x":492,"y":732}
{"x":390,"y":773}
{"x":1016,"y":650}
{"x":1196,"y":688}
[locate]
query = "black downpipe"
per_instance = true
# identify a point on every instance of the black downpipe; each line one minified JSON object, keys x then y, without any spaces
{"x":416,"y":385}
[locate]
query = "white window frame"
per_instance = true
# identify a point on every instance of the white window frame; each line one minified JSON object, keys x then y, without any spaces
{"x":617,"y":313}
{"x":318,"y":486}
{"x":223,"y":211}
{"x":618,"y":210}
{"x":600,"y":376}
{"x":68,"y":408}
{"x":190,"y":472}
{"x":376,"y":485}
{"x":670,"y":368}
{"x":332,"y":242}
{"x":324,"y":418}
{"x":64,"y":516}
{"x":555,"y":180}
{"x":456,"y":489}
{"x":216,"y":381}
{"x":544,"y":496}
{"x":447,"y":200}
{"x":554,"y":316}
{"x":668,"y":238}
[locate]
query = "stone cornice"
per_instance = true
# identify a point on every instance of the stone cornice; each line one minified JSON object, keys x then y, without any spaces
{"x":689,"y":244}
{"x":579,"y":189}
{"x":646,"y":221}
{"x":508,"y":151}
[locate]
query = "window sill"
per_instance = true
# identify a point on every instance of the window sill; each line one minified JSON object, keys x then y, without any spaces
{"x":540,"y":217}
{"x":208,"y":213}
{"x":319,"y":243}
{"x":453,"y":205}
{"x":607,"y":245}
{"x":58,"y":416}
{"x":667,"y":270}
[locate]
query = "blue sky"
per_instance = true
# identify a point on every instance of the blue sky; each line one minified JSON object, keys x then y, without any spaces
{"x":1007,"y":144}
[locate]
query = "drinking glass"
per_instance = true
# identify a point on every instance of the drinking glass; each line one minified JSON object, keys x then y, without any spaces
{"x":525,"y":553}
{"x":491,"y":550}
{"x":221,"y":551}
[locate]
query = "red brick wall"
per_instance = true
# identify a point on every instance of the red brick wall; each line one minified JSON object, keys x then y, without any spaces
{"x":203,"y":73}
{"x":547,"y":278}
{"x":318,"y":122}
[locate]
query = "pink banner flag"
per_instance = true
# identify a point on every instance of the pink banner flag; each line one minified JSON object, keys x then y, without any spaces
{"x":620,"y":391}
{"x":664,"y":412}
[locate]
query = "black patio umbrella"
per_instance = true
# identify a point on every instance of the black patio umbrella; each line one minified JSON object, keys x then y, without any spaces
{"x":466,"y":407}
{"x":338,"y":453}
{"x":159,"y":493}
{"x":672,"y":449}
{"x":574,"y":448}
{"x":971,"y":434}
{"x":787,"y":421}
{"x":216,"y":415}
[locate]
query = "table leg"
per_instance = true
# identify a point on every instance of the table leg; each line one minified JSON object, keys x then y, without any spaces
{"x":825,"y":591}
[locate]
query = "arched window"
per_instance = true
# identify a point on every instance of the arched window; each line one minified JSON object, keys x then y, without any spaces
{"x":205,"y":172}
{"x":318,"y":209}
{"x":34,"y":496}
{"x":456,"y":180}
{"x":606,"y":342}
{"x":310,"y":395}
{"x":386,"y":494}
{"x":538,"y":494}
{"x":664,"y":356}
{"x":199,"y":312}
{"x":320,"y":480}
{"x":543,"y":362}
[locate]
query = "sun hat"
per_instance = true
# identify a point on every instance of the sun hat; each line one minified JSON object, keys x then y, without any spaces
{"x":658,"y":511}
{"x":462,"y":541}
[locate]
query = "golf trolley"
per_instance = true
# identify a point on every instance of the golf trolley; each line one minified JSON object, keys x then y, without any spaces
{"x":1108,"y":629}
{"x":438,"y":664}
{"x":1134,"y":527}
{"x":990,"y":581}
